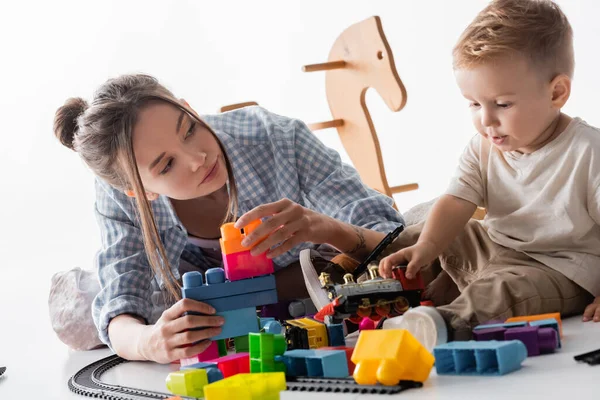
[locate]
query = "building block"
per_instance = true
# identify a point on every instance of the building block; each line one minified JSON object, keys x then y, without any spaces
{"x":548,"y":323}
{"x":537,"y":340}
{"x":335,"y":333}
{"x":222,"y":347}
{"x":240,"y":343}
{"x":506,"y":325}
{"x":273,"y":327}
{"x":316,"y":363}
{"x":265,"y":352}
{"x":224,"y":295}
{"x":264,"y":386}
{"x":479,"y":358}
{"x":538,"y":317}
{"x":237,"y":260}
{"x":211,"y":352}
{"x":233,"y":364}
{"x":212,"y":372}
{"x":481,"y":335}
{"x":348,"y":351}
{"x":237,"y":323}
{"x":188,"y":382}
{"x":389,"y":356}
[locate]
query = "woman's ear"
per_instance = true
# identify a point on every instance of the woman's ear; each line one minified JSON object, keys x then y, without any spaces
{"x":151,"y":196}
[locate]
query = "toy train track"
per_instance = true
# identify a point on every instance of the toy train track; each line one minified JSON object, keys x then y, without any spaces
{"x":86,"y":382}
{"x":2,"y":370}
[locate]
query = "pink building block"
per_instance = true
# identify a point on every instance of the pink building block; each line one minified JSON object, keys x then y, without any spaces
{"x":211,"y":352}
{"x":243,"y":265}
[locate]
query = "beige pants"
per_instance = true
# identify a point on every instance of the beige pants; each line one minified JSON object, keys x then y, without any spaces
{"x":476,"y":280}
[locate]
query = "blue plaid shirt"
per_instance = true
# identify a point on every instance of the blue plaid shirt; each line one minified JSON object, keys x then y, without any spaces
{"x":273,"y":157}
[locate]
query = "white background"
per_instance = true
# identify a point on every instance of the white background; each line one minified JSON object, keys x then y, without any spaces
{"x":216,"y":53}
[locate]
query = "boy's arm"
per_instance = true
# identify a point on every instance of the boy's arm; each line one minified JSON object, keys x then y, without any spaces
{"x":446,"y":220}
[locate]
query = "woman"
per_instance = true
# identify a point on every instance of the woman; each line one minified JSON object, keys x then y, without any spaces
{"x":168,"y":179}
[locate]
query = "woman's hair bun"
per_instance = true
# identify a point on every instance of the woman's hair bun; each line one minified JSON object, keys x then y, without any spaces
{"x":65,"y":120}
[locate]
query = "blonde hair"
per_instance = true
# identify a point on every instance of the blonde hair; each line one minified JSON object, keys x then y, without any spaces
{"x":535,"y":29}
{"x":102,"y":135}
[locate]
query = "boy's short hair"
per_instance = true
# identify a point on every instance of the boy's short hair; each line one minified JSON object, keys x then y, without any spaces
{"x":536,"y":29}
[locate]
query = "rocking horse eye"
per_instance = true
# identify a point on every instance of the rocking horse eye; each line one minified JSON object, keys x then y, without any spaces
{"x":380,"y":55}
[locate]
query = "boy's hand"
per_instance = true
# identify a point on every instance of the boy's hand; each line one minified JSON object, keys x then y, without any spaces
{"x":592,"y":312}
{"x":416,"y":256}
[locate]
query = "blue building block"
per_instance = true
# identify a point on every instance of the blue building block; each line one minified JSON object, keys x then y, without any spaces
{"x":237,"y":323}
{"x":479,"y":358}
{"x":224,"y":295}
{"x":548,"y":323}
{"x":504,"y":325}
{"x":336,"y":335}
{"x":269,"y":325}
{"x":316,"y":363}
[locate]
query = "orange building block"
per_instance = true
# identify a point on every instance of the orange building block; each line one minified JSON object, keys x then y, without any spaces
{"x":538,"y":317}
{"x":388,"y":356}
{"x":231,"y":237}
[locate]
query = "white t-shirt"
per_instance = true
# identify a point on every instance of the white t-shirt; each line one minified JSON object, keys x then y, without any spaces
{"x":545,"y":204}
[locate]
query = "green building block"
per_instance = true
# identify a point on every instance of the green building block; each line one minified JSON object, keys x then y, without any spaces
{"x":241,"y":344}
{"x":222,"y":347}
{"x":266,"y":350}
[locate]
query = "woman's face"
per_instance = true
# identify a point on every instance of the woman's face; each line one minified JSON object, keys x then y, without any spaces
{"x":177,"y":156}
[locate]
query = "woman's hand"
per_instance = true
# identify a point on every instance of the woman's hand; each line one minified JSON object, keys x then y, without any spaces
{"x":592,"y":312}
{"x":171,"y":338}
{"x":289,"y":225}
{"x":416,"y":256}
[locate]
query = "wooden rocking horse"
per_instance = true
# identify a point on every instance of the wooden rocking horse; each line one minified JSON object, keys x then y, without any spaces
{"x":359,"y":59}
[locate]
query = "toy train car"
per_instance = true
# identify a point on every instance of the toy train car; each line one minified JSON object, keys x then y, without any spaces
{"x":374,"y":298}
{"x":306,"y":333}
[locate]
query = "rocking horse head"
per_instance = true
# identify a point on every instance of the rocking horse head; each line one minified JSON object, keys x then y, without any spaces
{"x":368,"y":58}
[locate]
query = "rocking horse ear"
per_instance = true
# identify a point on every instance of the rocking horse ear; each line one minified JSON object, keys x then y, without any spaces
{"x":348,"y":263}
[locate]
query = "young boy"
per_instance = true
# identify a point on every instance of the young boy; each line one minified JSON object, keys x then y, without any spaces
{"x":534,"y":169}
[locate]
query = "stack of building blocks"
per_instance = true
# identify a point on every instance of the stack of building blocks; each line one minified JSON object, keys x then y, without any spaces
{"x":233,"y":364}
{"x":316,"y":363}
{"x":263,"y":386}
{"x":237,"y":260}
{"x":190,"y":382}
{"x":535,"y":320}
{"x":479,"y":358}
{"x":540,"y":335}
{"x":389,"y":356}
{"x":234,"y":301}
{"x":348,"y":351}
{"x":266,"y":350}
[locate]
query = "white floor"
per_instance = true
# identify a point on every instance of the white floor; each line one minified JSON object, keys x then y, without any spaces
{"x":39,"y":365}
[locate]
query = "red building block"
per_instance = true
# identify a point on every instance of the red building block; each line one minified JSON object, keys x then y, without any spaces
{"x":211,"y":352}
{"x":237,"y":260}
{"x":348,"y":351}
{"x":233,"y":364}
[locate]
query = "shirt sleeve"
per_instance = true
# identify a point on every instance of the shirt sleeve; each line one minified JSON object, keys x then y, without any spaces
{"x":123,"y":269}
{"x":467,"y":183}
{"x":335,"y":189}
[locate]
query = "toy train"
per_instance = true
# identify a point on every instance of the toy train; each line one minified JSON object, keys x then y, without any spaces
{"x":374,"y":298}
{"x":307,"y":333}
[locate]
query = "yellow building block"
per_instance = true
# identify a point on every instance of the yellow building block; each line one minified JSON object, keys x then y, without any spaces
{"x":190,"y":382}
{"x":538,"y":317}
{"x":388,"y":356}
{"x":263,"y":386}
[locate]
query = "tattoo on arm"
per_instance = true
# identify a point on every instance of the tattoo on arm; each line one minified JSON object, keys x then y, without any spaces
{"x":361,"y":245}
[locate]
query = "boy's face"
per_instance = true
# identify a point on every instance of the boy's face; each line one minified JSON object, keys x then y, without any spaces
{"x":510,"y":103}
